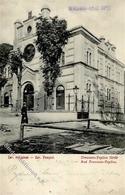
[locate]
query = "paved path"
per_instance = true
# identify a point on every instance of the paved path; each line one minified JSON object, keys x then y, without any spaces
{"x":10,"y":128}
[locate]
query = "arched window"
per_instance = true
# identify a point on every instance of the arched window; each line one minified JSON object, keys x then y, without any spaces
{"x":63,"y":58}
{"x":88,"y":86}
{"x":6,"y":100}
{"x":108,"y":94}
{"x":28,"y":96}
{"x":89,"y":57}
{"x":60,"y":97}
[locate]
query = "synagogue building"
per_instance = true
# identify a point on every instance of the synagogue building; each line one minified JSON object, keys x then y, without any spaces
{"x":91,"y":75}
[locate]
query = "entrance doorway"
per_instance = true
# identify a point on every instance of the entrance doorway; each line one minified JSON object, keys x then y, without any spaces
{"x":6,"y":100}
{"x":60,"y":97}
{"x":28,"y":96}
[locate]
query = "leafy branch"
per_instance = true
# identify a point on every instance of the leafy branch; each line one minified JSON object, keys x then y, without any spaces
{"x":52,"y":36}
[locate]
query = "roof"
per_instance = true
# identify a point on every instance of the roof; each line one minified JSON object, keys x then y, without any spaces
{"x":85,"y":32}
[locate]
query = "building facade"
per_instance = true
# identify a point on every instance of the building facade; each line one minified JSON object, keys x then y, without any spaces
{"x":91,"y":76}
{"x":6,"y":91}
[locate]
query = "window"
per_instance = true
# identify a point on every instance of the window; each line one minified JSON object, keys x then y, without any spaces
{"x":28,"y":96}
{"x":29,"y":52}
{"x":100,"y":65}
{"x":108,"y":94}
{"x":29,"y":29}
{"x":88,"y":86}
{"x":6,"y":100}
{"x":112,"y":93}
{"x":89,"y":57}
{"x":63,"y":58}
{"x":100,"y":94}
{"x":108,"y":71}
{"x":60,"y":97}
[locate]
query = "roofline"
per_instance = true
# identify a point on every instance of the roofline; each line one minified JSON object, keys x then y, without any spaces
{"x":81,"y":28}
{"x":79,"y":62}
{"x":29,"y":19}
{"x":112,"y":57}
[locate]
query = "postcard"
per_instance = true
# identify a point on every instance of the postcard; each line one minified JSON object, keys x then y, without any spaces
{"x":62,"y":97}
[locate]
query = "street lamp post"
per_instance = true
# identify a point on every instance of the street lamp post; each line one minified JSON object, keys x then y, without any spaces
{"x":89,"y":93}
{"x":75,"y":89}
{"x":82,"y":105}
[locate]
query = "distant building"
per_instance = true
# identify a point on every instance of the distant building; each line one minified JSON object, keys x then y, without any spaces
{"x":88,"y":63}
{"x":6,"y":91}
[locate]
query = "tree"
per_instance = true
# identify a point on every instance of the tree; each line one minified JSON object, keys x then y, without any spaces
{"x":15,"y":60}
{"x":5,"y":49}
{"x":52,"y":36}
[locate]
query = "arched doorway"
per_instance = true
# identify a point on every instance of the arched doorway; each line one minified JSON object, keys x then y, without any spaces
{"x":60,"y":97}
{"x":6,"y":100}
{"x":28,"y":96}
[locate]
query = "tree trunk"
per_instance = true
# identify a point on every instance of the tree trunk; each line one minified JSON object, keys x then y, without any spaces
{"x":49,"y":102}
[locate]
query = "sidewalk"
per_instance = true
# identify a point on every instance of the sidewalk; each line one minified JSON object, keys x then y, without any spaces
{"x":95,"y":126}
{"x":12,"y":123}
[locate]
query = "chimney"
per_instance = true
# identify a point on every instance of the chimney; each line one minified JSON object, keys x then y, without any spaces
{"x":109,"y":45}
{"x":102,"y":39}
{"x":102,"y":42}
{"x":29,"y":15}
{"x":113,"y":48}
{"x":18,"y":23}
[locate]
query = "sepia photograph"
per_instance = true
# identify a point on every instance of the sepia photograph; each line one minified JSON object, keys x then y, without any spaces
{"x":62,"y":77}
{"x":62,"y":97}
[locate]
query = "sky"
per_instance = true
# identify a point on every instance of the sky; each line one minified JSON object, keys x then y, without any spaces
{"x":101,"y":17}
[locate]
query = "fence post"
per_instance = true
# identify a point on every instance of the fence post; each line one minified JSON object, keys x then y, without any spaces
{"x":21,"y":132}
{"x":88,"y":124}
